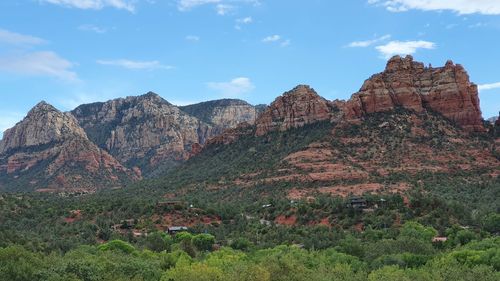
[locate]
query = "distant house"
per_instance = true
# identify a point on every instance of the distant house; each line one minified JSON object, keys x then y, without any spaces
{"x":176,"y":229}
{"x":439,"y":239}
{"x":357,"y":203}
{"x":130,"y":223}
{"x":171,"y":203}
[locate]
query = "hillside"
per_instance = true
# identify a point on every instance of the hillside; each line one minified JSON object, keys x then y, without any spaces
{"x":387,"y":138}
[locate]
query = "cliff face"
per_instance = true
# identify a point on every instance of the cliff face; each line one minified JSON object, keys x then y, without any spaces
{"x":142,"y":131}
{"x":223,"y":114}
{"x":48,"y":149}
{"x":405,"y":83}
{"x":293,"y":109}
{"x":44,"y":124}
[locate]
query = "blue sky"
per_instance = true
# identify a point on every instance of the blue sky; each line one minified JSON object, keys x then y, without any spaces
{"x":69,"y":52}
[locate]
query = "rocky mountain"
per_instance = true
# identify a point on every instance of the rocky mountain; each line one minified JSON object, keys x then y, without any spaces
{"x":409,"y":84}
{"x":147,"y":131}
{"x":142,"y":131}
{"x":48,"y":150}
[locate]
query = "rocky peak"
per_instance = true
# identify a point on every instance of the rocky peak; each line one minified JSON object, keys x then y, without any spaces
{"x":400,"y":64}
{"x":44,"y":124}
{"x":295,"y":108}
{"x":223,"y":114}
{"x":406,"y":83}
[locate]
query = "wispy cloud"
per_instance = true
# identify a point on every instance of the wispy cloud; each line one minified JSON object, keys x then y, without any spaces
{"x":368,"y":43}
{"x":242,"y":21}
{"x":92,"y":28}
{"x":43,"y":63}
{"x":135,"y":65}
{"x":222,"y":7}
{"x":485,"y":87}
{"x":186,"y":5}
{"x":271,"y":38}
{"x":403,"y":47}
{"x":94,"y":4}
{"x":12,"y":38}
{"x":192,"y":38}
{"x":234,"y":88}
{"x":463,"y":7}
{"x":246,"y":20}
{"x":277,"y":39}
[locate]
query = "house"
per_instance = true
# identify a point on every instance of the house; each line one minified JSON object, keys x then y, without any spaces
{"x":439,"y":239}
{"x":176,"y":229}
{"x":130,"y":223}
{"x":171,"y":203}
{"x":357,"y":203}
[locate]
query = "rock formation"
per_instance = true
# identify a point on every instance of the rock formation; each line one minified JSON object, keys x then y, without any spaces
{"x":147,"y":131}
{"x":223,"y":114}
{"x":406,"y":83}
{"x":142,"y":131}
{"x":48,"y":149}
{"x":293,"y":109}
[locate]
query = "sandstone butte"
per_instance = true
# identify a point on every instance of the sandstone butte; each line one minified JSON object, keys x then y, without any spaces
{"x":404,"y":83}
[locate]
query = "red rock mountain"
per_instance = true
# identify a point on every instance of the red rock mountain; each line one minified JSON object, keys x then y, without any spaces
{"x":409,"y":84}
{"x":293,"y":109}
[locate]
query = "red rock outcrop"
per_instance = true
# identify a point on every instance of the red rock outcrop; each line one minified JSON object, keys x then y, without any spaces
{"x":406,"y":83}
{"x":293,"y":109}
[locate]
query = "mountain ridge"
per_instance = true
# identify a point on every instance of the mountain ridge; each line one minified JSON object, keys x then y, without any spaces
{"x":146,"y":134}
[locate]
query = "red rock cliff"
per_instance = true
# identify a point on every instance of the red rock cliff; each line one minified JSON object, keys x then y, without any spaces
{"x":295,"y":108}
{"x":446,"y":90}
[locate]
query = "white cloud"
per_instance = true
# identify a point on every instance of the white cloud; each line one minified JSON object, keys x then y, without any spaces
{"x":135,"y":65}
{"x":277,"y":39}
{"x":192,"y":38}
{"x":92,"y":28}
{"x":12,"y":38}
{"x":246,"y":20}
{"x":404,"y":48}
{"x":44,"y":63}
{"x":94,"y":4}
{"x":367,"y":43}
{"x":234,"y":88}
{"x":243,"y":21}
{"x":271,"y":38}
{"x":486,"y":7}
{"x":485,"y":87}
{"x":285,"y":43}
{"x":222,"y":7}
{"x":186,"y":5}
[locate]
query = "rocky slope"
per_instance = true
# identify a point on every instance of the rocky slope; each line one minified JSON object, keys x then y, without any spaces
{"x":49,"y":150}
{"x":409,"y":84}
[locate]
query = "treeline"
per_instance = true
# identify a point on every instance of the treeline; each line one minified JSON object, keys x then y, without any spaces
{"x":410,"y":256}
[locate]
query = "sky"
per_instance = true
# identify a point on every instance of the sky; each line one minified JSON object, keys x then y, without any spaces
{"x":69,"y":52}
